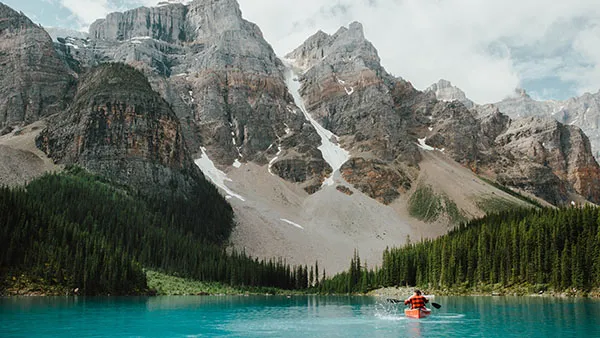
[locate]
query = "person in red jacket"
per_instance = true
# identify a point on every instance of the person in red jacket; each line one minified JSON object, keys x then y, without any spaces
{"x":416,"y":301}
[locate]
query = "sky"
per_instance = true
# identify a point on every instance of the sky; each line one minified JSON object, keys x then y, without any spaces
{"x":485,"y":47}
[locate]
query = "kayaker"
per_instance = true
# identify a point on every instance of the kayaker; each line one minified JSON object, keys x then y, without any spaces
{"x":417,"y":301}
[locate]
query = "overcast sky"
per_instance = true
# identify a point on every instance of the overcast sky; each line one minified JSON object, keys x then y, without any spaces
{"x":486,"y":47}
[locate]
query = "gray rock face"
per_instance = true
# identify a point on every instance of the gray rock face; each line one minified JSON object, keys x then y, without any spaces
{"x":563,"y":149}
{"x":224,"y":83}
{"x":582,"y":111}
{"x":35,"y":82}
{"x":166,"y":23}
{"x":221,"y":78}
{"x":538,"y":155}
{"x":347,"y":91}
{"x":120,"y":128}
{"x":445,"y":91}
{"x":380,"y":118}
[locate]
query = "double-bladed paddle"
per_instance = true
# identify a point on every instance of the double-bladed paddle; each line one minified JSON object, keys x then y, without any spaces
{"x":396,"y":301}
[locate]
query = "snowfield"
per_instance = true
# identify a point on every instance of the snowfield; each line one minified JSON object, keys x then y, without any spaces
{"x":333,"y":154}
{"x":215,"y":175}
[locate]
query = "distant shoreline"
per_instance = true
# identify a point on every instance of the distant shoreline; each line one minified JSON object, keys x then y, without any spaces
{"x":520,"y":291}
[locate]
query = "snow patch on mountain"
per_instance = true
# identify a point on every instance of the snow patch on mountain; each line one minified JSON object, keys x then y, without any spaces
{"x":215,"y":175}
{"x":292,"y":223}
{"x":424,"y":145}
{"x":333,"y":154}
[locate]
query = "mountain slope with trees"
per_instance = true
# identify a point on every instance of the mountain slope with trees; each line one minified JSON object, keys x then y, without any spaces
{"x":554,"y":249}
{"x":77,"y":231}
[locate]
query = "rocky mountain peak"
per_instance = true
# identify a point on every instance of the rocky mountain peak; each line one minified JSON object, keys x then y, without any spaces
{"x":356,"y":29}
{"x":445,"y":91}
{"x":209,"y":18}
{"x":345,"y":44}
{"x":120,"y":128}
{"x":222,"y":79}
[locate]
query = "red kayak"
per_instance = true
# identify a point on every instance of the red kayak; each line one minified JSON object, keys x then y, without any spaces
{"x":417,"y":313}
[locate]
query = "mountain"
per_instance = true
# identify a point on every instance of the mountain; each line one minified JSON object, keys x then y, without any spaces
{"x":547,"y":158}
{"x":582,"y":111}
{"x":445,"y":91}
{"x":248,"y":123}
{"x":318,"y":153}
{"x":380,"y":118}
{"x":221,"y":78}
{"x":35,"y":81}
{"x":118,"y":127}
{"x":347,"y":91}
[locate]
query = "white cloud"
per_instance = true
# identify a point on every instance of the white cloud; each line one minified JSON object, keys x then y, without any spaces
{"x":87,"y":11}
{"x":469,"y":42}
{"x":587,"y":72}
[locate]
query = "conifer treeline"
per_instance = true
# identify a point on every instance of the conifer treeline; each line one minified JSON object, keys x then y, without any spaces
{"x":555,"y":248}
{"x":76,"y":230}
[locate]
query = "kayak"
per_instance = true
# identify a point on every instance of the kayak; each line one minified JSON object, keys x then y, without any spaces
{"x":417,"y":313}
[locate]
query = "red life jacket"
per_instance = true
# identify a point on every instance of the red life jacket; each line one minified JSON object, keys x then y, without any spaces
{"x":416,"y":302}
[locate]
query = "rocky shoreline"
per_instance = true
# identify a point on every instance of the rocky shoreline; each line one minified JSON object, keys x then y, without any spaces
{"x":525,"y":291}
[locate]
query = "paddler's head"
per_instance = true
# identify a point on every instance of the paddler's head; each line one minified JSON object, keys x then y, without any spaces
{"x":417,"y":292}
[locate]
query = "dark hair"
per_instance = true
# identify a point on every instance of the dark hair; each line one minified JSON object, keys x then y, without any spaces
{"x":418,"y":292}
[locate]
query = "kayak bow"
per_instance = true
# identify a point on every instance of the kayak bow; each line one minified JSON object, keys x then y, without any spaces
{"x":417,"y":313}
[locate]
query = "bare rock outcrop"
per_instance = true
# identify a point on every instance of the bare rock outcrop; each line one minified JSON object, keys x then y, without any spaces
{"x":34,"y":82}
{"x":118,"y":127}
{"x":347,"y":91}
{"x":445,"y":91}
{"x":220,"y":76}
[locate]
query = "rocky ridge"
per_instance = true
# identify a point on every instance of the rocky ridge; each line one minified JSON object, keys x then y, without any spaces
{"x":379,"y":119}
{"x":221,"y":78}
{"x":582,"y":111}
{"x":225,"y":84}
{"x":445,"y":91}
{"x":347,"y":91}
{"x":118,"y":127}
{"x":537,"y":155}
{"x":35,"y":81}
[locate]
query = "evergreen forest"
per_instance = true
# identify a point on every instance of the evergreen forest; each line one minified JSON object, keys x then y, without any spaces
{"x":77,"y":230}
{"x":554,"y":249}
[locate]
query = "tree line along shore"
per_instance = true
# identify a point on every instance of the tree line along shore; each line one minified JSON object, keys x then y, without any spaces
{"x":77,"y":231}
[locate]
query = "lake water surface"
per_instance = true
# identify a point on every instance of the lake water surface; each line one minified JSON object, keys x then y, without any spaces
{"x":298,"y":316}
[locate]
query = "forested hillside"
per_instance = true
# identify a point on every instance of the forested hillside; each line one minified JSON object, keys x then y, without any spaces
{"x":78,"y":231}
{"x":554,"y":249}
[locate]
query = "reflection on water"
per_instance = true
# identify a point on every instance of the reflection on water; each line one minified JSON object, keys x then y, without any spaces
{"x":297,"y":316}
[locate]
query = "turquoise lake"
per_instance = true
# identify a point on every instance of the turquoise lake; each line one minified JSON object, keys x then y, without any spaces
{"x":298,"y":316}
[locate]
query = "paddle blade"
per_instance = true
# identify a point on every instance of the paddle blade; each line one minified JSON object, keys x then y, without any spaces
{"x":394,"y":301}
{"x":436,"y":305}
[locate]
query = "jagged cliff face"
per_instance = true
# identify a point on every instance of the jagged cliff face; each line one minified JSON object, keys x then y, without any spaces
{"x":537,"y":155}
{"x":120,"y":128}
{"x":582,"y":111}
{"x":551,"y":146}
{"x":221,"y":77}
{"x":550,"y":159}
{"x":381,"y":119}
{"x":228,"y":89}
{"x":347,"y":91}
{"x":35,"y":82}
